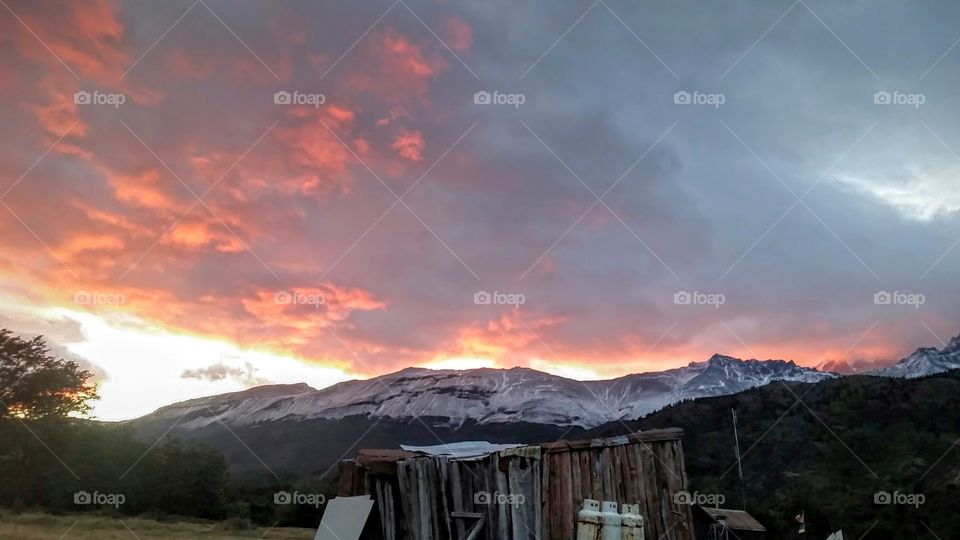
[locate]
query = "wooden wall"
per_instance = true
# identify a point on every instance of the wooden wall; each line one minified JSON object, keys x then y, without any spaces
{"x":648,"y":473}
{"x":529,"y":496}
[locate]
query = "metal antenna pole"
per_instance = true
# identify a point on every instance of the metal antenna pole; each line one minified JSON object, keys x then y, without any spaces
{"x":736,"y":439}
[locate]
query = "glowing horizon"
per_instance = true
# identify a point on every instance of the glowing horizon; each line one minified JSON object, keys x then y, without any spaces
{"x":198,"y":200}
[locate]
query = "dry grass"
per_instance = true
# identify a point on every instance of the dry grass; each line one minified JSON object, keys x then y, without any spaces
{"x":28,"y":526}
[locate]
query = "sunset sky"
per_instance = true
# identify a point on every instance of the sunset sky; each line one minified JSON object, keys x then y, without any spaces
{"x":172,"y":220}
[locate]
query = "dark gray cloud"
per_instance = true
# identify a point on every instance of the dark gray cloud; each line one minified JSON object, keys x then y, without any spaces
{"x":712,"y":206}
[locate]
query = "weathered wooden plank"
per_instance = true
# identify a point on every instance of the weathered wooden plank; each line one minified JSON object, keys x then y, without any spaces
{"x":503,"y":489}
{"x":671,"y":485}
{"x":634,"y":489}
{"x":556,"y":497}
{"x":537,"y":481}
{"x":566,"y":496}
{"x":407,"y":477}
{"x":546,"y":471}
{"x":606,"y":464}
{"x":626,"y":476}
{"x":345,"y":482}
{"x":581,"y":462}
{"x":688,"y":513}
{"x":576,"y":486}
{"x":422,"y":498}
{"x":490,"y":483}
{"x":523,"y":490}
{"x":596,"y":475}
{"x":456,"y":498}
{"x":654,"y":526}
{"x":446,"y":499}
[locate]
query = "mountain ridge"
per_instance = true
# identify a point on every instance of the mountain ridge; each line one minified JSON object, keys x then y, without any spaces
{"x":494,"y":395}
{"x":486,"y":395}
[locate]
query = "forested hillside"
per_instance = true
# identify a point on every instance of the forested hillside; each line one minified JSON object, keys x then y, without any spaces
{"x":830,"y":449}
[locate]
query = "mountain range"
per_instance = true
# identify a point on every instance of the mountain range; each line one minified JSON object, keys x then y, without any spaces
{"x":486,"y":396}
{"x":295,"y":426}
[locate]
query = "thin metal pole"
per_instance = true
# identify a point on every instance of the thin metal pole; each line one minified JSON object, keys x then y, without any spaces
{"x":736,"y":438}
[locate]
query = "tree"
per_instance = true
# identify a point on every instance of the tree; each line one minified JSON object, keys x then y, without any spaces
{"x":34,"y":384}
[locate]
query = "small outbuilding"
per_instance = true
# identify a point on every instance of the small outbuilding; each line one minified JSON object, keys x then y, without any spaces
{"x":519,"y":492}
{"x":724,"y":524}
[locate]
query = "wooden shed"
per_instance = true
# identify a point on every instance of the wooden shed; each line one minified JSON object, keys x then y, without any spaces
{"x":522,"y":492}
{"x":725,"y":524}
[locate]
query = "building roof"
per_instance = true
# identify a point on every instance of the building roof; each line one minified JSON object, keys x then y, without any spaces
{"x":737,"y":520}
{"x":460,"y":450}
{"x":471,"y":450}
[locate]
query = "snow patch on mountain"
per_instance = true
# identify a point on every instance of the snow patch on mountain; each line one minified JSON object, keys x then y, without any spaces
{"x":486,"y":396}
{"x":924,"y":361}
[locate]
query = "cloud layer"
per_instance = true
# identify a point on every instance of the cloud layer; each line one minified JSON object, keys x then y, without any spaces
{"x":323,"y":180}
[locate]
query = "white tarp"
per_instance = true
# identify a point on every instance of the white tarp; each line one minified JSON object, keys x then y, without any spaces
{"x":836,"y":536}
{"x":460,"y":450}
{"x":344,"y":518}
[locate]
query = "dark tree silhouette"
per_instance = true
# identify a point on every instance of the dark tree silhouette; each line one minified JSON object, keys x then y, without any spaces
{"x":35,"y":384}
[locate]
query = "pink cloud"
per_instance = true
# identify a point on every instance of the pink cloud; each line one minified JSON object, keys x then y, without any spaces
{"x":409,"y":145}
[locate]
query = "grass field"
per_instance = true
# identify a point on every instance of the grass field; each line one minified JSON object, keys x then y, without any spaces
{"x":28,"y":526}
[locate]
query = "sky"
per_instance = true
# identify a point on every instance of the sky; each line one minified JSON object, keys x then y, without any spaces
{"x":200,"y":196}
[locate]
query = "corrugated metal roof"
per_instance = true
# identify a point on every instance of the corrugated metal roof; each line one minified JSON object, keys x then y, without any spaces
{"x":737,"y":520}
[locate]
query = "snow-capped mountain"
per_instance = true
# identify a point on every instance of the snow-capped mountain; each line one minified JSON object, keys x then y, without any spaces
{"x":925,"y":361}
{"x":483,"y":396}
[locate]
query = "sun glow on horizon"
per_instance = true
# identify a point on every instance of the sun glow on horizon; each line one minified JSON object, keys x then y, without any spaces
{"x":569,"y":371}
{"x":460,"y":363}
{"x":145,"y":367}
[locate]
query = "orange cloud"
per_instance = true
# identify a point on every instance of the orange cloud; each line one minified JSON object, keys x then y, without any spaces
{"x":299,"y":315}
{"x":198,"y":236}
{"x":89,"y":42}
{"x":144,"y":190}
{"x":409,"y":145}
{"x":409,"y":55}
{"x":59,"y":113}
{"x":395,"y":69}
